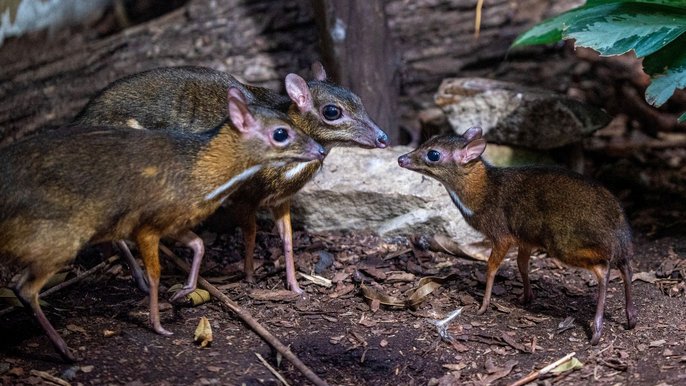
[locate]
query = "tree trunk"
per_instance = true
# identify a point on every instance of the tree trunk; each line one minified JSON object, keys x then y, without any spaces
{"x":359,"y":52}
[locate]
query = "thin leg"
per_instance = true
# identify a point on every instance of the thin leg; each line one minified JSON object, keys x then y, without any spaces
{"x":282,"y":214}
{"x":148,"y":244}
{"x":498,"y":253}
{"x":602,"y":273}
{"x":523,"y":257}
{"x":27,"y":292}
{"x":136,"y":271}
{"x":249,"y":230}
{"x":194,"y":242}
{"x":631,"y":313}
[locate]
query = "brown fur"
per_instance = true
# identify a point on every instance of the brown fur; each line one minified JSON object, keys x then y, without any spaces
{"x":574,"y":219}
{"x":80,"y":185}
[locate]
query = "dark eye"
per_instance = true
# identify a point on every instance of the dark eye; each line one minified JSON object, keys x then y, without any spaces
{"x":280,"y":134}
{"x":331,"y":112}
{"x":433,"y":155}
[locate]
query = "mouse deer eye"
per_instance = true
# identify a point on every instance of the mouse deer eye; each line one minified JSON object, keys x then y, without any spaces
{"x":280,"y":134}
{"x":331,"y":112}
{"x":433,"y":155}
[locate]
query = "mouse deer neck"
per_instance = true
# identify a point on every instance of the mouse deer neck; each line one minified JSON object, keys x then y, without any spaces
{"x":226,"y":161}
{"x":468,"y":187}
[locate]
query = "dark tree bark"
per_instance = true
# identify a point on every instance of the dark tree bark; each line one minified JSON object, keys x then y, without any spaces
{"x":358,"y":50}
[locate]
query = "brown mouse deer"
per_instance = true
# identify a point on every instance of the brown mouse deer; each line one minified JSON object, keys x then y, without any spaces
{"x":82,"y":185}
{"x":573,"y":218}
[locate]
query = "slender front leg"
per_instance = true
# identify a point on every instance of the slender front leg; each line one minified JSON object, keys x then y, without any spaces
{"x":523,"y":257}
{"x":602,"y":273}
{"x":282,"y":214}
{"x":148,"y":244}
{"x":195,"y":243}
{"x":136,"y":271}
{"x":27,"y":290}
{"x":498,"y":253}
{"x":249,"y":230}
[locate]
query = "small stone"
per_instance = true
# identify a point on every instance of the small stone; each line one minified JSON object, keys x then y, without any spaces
{"x":214,"y":369}
{"x":667,"y":352}
{"x":383,"y":343}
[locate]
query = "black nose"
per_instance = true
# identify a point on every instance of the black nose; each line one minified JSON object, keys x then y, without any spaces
{"x":322,"y":152}
{"x":403,"y":160}
{"x":382,"y":140}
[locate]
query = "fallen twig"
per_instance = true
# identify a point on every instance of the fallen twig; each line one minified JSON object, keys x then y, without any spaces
{"x":273,"y":370}
{"x":67,"y":283}
{"x":532,"y":376}
{"x":248,"y":319}
{"x":50,"y":378}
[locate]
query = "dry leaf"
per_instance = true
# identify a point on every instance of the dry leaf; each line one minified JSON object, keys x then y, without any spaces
{"x":648,"y":277}
{"x":569,"y":365}
{"x":203,"y":333}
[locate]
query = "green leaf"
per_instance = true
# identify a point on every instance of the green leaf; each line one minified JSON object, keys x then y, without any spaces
{"x":671,"y":3}
{"x":617,"y":29}
{"x":682,"y":118}
{"x":667,"y":69}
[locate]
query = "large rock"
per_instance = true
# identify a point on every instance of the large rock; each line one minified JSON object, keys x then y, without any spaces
{"x":366,"y":189}
{"x":513,"y":114}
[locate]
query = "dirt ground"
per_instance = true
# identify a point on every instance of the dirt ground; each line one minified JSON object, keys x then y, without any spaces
{"x":348,"y":341}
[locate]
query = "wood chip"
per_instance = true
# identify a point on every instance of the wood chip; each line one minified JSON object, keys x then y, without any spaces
{"x":50,"y":378}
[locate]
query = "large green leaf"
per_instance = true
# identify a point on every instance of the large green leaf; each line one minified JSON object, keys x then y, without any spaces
{"x":682,"y":118}
{"x":667,"y":68}
{"x":672,"y":3}
{"x":641,"y":27}
{"x":612,"y":28}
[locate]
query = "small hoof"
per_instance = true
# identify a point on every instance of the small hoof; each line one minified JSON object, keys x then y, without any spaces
{"x":297,"y":290}
{"x":67,"y":356}
{"x":526,"y":299}
{"x":180,"y":295}
{"x":250,"y":279}
{"x":631,"y":320}
{"x":595,"y":340}
{"x":482,"y":310}
{"x":160,"y":330}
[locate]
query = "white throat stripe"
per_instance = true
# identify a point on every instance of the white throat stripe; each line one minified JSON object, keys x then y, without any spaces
{"x":244,"y":175}
{"x":466,"y":212}
{"x":295,"y":170}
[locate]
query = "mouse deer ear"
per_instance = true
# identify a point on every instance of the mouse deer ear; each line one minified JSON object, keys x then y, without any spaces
{"x":238,"y":94}
{"x":241,"y":117}
{"x":472,"y":133}
{"x":470,"y":151}
{"x":299,"y":92}
{"x":318,"y":71}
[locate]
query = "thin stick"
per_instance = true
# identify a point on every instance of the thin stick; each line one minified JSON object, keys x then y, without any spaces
{"x":273,"y":370}
{"x":67,"y":283}
{"x":477,"y":19}
{"x":534,"y":375}
{"x":248,"y":319}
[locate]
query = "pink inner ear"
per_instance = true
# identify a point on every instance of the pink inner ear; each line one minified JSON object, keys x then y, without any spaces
{"x":470,"y":152}
{"x":318,"y":71}
{"x":236,"y":93}
{"x":299,"y":92}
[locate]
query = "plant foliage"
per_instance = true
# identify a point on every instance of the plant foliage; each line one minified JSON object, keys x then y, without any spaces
{"x":653,"y":29}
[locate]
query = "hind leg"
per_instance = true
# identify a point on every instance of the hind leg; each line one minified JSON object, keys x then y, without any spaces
{"x":631,"y":313}
{"x":498,"y":253}
{"x":602,"y":273}
{"x":282,"y":214}
{"x":249,"y":231}
{"x":26,"y":291}
{"x":194,"y":242}
{"x":523,"y":257}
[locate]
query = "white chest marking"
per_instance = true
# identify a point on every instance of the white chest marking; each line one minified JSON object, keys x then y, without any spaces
{"x":295,"y":170}
{"x":466,"y":212}
{"x":244,"y":175}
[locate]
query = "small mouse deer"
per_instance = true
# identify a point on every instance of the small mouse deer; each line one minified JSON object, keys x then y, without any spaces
{"x":574,"y":219}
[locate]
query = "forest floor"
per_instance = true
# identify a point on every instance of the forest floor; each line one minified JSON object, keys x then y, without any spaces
{"x":349,"y":341}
